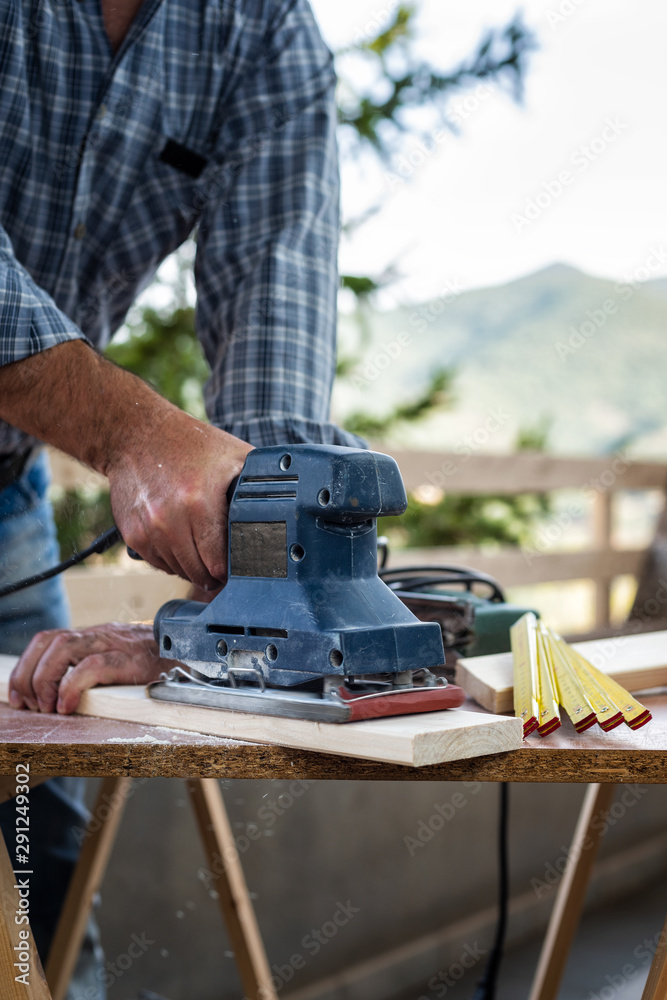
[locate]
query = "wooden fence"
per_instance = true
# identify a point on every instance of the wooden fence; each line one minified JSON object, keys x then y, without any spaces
{"x":132,"y":592}
{"x":596,"y":481}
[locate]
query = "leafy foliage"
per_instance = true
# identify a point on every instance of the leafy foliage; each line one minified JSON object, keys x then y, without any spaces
{"x":406,"y":81}
{"x":468,"y":520}
{"x":163,"y":349}
{"x":80,"y":517}
{"x":438,"y":393}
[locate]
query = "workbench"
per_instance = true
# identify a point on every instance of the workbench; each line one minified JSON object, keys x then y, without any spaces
{"x":78,"y":745}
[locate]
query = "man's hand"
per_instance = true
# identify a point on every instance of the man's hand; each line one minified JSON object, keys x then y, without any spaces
{"x":168,"y":472}
{"x":60,"y":664}
{"x":169,"y":496}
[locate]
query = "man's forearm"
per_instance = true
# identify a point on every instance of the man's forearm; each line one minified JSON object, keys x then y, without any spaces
{"x":72,"y":398}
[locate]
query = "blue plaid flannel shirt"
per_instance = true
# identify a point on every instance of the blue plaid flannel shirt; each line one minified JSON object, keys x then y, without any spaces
{"x":214,"y":114}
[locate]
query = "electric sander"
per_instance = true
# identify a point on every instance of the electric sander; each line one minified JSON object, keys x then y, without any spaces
{"x":305,"y":627}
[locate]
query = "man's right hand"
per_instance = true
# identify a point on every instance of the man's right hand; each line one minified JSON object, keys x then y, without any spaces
{"x":168,"y":472}
{"x":169,"y":496}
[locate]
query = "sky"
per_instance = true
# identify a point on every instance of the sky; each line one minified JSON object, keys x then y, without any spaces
{"x":576,"y":175}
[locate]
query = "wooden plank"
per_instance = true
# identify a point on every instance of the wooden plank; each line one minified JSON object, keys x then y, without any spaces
{"x":525,"y":472}
{"x":638,"y":662}
{"x":117,"y":594}
{"x":85,"y":882}
{"x":525,"y":567}
{"x":415,"y":740}
{"x":500,"y":473}
{"x":33,"y":987}
{"x":569,"y":904}
{"x":656,"y":984}
{"x":237,"y":909}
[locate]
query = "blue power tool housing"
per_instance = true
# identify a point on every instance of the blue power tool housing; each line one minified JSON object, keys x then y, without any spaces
{"x":304,"y":606}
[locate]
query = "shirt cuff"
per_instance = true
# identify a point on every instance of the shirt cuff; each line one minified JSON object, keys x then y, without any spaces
{"x":265,"y":431}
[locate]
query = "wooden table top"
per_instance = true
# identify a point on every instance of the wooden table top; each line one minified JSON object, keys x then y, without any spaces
{"x":78,"y":745}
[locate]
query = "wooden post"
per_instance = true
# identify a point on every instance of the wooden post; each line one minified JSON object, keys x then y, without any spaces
{"x":569,"y":903}
{"x":35,"y":988}
{"x":85,"y":882}
{"x":602,"y":526}
{"x":656,"y":984}
{"x":237,"y":909}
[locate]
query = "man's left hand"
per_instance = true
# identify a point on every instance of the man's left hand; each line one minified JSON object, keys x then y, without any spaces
{"x":59,"y":665}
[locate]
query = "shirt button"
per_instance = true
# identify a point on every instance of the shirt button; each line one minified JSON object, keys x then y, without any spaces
{"x":80,"y":231}
{"x":103,"y":110}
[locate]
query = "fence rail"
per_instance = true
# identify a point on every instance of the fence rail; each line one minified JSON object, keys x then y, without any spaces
{"x":138,"y":591}
{"x":600,"y":479}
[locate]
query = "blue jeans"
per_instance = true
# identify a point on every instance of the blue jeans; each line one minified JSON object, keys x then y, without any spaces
{"x":28,"y":545}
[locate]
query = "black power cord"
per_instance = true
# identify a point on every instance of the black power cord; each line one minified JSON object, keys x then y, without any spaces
{"x":101,"y":544}
{"x":486,"y":987}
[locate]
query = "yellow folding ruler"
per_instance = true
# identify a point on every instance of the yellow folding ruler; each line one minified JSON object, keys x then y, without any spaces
{"x":548,"y":673}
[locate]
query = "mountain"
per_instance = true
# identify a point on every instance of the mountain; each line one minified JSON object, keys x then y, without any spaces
{"x":585,"y":353}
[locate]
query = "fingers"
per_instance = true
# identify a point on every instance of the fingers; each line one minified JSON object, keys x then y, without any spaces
{"x":59,"y":665}
{"x":21,"y":690}
{"x":36,"y":677}
{"x":98,"y":668}
{"x":192,"y":557}
{"x":113,"y":666}
{"x":167,"y":543}
{"x":210,"y":540}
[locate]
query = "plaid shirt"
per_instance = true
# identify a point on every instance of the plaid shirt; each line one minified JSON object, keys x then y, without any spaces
{"x":215,"y":114}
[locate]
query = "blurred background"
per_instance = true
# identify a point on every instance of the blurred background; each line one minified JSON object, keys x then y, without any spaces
{"x":503,"y":274}
{"x":502,"y":318}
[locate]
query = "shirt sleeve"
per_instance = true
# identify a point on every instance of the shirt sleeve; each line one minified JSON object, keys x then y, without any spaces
{"x":30,"y":321}
{"x":266,"y":270}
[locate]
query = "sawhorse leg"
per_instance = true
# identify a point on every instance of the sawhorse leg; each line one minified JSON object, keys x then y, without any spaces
{"x":85,"y":882}
{"x":235,"y":903}
{"x":656,"y":984}
{"x":222,"y":856}
{"x":569,"y":903}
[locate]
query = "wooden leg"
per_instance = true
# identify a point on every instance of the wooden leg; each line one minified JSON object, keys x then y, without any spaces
{"x":237,"y":909}
{"x":34,"y":986}
{"x":656,"y":984}
{"x":571,"y":892}
{"x":85,"y":882}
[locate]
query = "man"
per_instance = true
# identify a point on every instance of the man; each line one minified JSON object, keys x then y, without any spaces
{"x":122,"y":128}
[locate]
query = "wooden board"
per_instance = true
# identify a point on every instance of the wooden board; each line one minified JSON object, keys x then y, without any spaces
{"x":638,"y":662}
{"x":415,"y":740}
